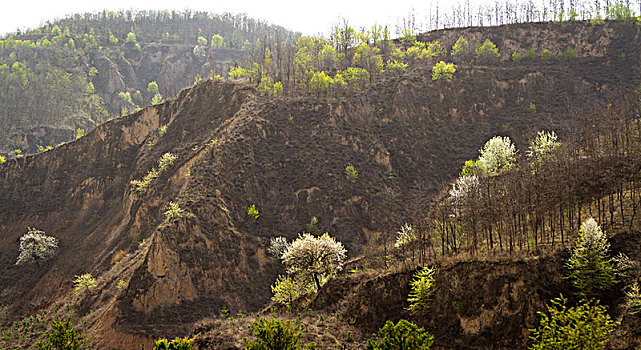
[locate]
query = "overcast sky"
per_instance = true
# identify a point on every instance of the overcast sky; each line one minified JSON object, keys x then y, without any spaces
{"x":307,"y":17}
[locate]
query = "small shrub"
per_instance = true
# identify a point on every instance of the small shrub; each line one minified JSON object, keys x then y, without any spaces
{"x":2,"y":160}
{"x":173,"y":211}
{"x":252,"y":213}
{"x":312,"y":226}
{"x":403,"y":335}
{"x":443,"y":70}
{"x":63,"y":336}
{"x":83,"y":283}
{"x":162,"y":130}
{"x":80,"y":133}
{"x":421,"y":290}
{"x":351,"y":173}
{"x":166,"y":161}
{"x":547,"y":56}
{"x":586,"y":326}
{"x":176,"y":344}
{"x":273,"y":334}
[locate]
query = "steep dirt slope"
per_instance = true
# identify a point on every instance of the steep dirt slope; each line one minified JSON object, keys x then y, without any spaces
{"x":407,"y":136}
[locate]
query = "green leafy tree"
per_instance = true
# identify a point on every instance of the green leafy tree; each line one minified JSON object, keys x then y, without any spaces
{"x":152,"y":88}
{"x":586,"y":326}
{"x":487,"y":53}
{"x":273,"y":334}
{"x":63,"y":336}
{"x":217,"y":41}
{"x":285,"y":290}
{"x":356,"y":78}
{"x":35,"y":247}
{"x":421,"y":290}
{"x":443,"y":70}
{"x":590,"y":268}
{"x":319,"y":83}
{"x":131,"y":38}
{"x":313,"y":260}
{"x":400,"y":336}
{"x":83,"y":283}
{"x":368,"y":58}
{"x":278,"y":89}
{"x":462,"y":51}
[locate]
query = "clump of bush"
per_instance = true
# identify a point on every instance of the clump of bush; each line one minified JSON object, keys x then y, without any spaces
{"x":585,"y":326}
{"x":273,"y":334}
{"x":165,"y":162}
{"x":176,"y":344}
{"x":443,"y":70}
{"x":402,"y":335}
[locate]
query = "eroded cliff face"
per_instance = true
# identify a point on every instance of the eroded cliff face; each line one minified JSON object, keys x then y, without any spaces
{"x":407,"y":136}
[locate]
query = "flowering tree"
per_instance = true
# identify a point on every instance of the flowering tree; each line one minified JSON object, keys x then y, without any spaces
{"x":35,"y":246}
{"x":590,"y":267}
{"x":314,"y":259}
{"x":498,"y":154}
{"x":542,"y":147}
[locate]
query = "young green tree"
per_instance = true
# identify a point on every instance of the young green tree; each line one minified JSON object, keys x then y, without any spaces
{"x":421,"y":290}
{"x":319,"y":83}
{"x":586,"y":326}
{"x":63,"y":336}
{"x":35,"y":247}
{"x":443,"y":70}
{"x":487,"y":53}
{"x":462,"y":51}
{"x":83,"y":283}
{"x":590,"y":267}
{"x":402,"y":335}
{"x":356,"y":78}
{"x":273,"y":334}
{"x":285,"y":290}
{"x":217,"y":41}
{"x":314,"y":259}
{"x":131,"y":38}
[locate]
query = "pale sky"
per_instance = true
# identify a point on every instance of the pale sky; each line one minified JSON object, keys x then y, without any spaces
{"x":306,"y":17}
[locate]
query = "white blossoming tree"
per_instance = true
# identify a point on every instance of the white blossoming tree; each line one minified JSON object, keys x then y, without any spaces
{"x":36,"y":246}
{"x":542,"y":147}
{"x":314,"y":259}
{"x":590,"y":267}
{"x":498,"y":154}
